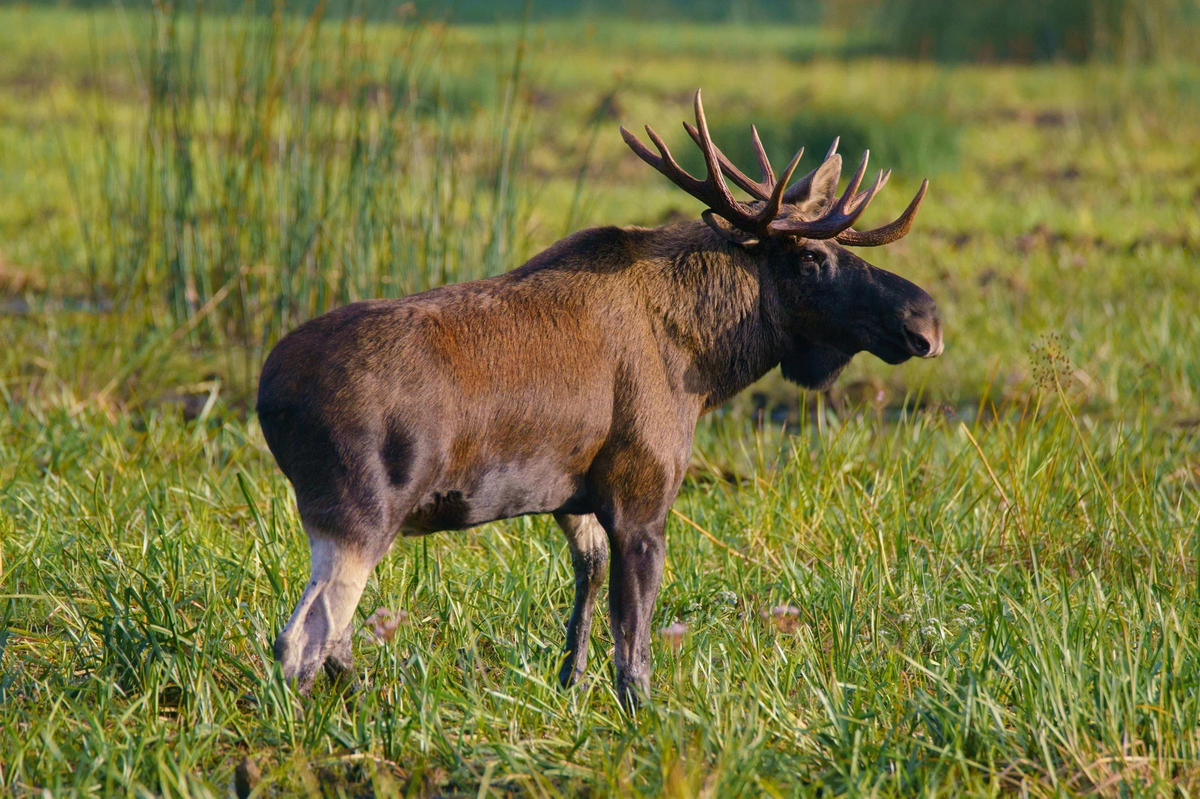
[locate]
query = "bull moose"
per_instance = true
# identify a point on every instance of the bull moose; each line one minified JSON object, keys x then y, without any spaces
{"x":572,"y":385}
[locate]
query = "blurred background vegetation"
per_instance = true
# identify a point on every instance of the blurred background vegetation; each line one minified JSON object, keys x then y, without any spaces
{"x":942,"y":30}
{"x":220,"y":173}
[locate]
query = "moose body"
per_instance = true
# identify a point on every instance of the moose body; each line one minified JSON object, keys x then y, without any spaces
{"x":571,"y":385}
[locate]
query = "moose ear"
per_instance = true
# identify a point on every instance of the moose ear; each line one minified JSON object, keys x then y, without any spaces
{"x":728,"y":232}
{"x":814,"y":366}
{"x":822,"y":189}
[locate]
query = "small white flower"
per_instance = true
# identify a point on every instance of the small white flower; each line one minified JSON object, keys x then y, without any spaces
{"x":727,"y":597}
{"x":905,"y":618}
{"x":928,"y":631}
{"x":965,"y":608}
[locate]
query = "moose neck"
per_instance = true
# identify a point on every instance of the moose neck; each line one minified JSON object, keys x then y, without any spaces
{"x":716,"y":307}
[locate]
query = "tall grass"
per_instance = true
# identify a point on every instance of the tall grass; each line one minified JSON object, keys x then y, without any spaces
{"x":904,"y":608}
{"x":284,"y":166}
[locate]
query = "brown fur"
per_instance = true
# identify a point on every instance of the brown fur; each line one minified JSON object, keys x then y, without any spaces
{"x":571,"y":385}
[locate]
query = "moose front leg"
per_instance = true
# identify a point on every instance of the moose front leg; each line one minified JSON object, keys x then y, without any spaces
{"x":632,"y":487}
{"x":638,"y":554}
{"x":589,"y":558}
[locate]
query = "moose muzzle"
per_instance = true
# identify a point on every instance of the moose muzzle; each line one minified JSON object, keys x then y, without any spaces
{"x":923,"y":335}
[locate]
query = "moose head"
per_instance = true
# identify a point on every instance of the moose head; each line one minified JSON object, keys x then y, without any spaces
{"x":839,"y":304}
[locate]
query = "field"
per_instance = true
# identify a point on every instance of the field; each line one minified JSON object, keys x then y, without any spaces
{"x":976,"y":575}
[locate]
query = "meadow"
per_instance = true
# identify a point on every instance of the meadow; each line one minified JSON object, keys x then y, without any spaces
{"x":976,"y":575}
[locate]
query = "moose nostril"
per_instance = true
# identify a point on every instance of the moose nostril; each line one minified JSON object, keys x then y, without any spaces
{"x":924,"y":338}
{"x":917,"y":342}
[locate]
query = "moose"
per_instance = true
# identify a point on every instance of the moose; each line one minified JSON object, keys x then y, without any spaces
{"x":572,"y":385}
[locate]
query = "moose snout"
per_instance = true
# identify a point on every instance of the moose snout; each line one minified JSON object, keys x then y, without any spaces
{"x":923,"y":335}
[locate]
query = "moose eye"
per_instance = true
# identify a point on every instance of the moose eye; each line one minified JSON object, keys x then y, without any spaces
{"x":809,"y":257}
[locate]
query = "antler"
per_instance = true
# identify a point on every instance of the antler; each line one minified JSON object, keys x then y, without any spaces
{"x":713,"y":190}
{"x":887,"y":233}
{"x":844,"y":213}
{"x":834,"y":224}
{"x":763,"y":190}
{"x":800,"y":190}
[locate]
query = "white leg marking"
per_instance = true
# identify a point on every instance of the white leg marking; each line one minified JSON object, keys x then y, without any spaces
{"x":585,"y":533}
{"x":339,"y":575}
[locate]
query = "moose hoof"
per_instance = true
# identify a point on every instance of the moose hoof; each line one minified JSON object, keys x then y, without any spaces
{"x":632,"y":693}
{"x":570,"y":675}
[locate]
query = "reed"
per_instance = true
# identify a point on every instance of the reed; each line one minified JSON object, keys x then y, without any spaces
{"x":286,"y":165}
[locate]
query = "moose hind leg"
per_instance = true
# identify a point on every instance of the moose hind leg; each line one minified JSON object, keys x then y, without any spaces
{"x":318,"y":632}
{"x":589,"y":558}
{"x":339,"y":665}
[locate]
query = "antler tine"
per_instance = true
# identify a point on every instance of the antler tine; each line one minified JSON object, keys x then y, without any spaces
{"x":764,"y":163}
{"x":843,"y":214}
{"x":677,"y":174}
{"x":759,"y":191}
{"x":641,"y":150}
{"x":862,"y":195}
{"x":861,"y":205}
{"x":712,"y":190}
{"x":714,"y":181}
{"x":663,"y":163}
{"x":799,"y":190}
{"x":887,"y":233}
{"x":771,"y":209}
{"x":852,"y":187}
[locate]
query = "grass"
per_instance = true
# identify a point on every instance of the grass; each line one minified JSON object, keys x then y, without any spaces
{"x":971,"y":576}
{"x":955,"y":632}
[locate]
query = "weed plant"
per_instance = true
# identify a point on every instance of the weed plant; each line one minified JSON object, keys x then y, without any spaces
{"x":285,"y":166}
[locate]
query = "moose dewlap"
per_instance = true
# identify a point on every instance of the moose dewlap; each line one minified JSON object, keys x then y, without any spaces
{"x":572,"y":385}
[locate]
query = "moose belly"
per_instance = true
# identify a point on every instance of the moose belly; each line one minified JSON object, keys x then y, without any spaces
{"x":513,"y":489}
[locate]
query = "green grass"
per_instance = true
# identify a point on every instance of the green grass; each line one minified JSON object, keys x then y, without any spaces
{"x":954,"y":633}
{"x":992,"y":557}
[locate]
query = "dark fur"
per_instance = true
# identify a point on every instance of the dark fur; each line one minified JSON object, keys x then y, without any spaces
{"x":571,"y":385}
